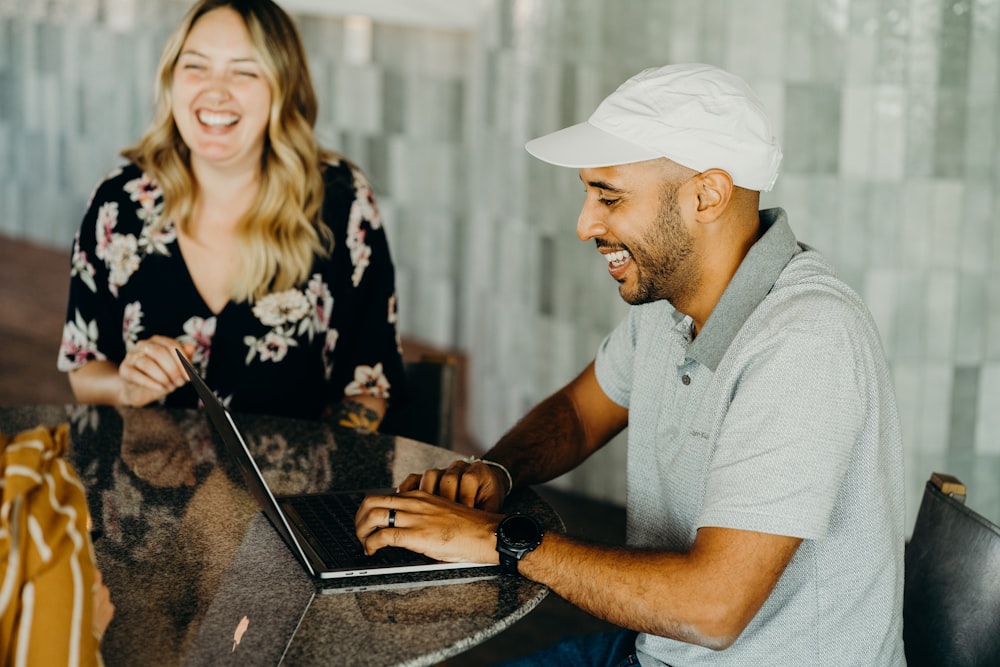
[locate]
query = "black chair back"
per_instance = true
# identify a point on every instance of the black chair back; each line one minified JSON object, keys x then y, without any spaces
{"x":429,"y":414}
{"x":951,"y":598}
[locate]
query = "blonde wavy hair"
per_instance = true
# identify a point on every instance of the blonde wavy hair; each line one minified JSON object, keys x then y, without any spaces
{"x":283,"y":230}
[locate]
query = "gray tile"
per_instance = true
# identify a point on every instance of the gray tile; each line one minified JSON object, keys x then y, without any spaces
{"x":909,"y":318}
{"x":7,"y":56}
{"x":48,"y":43}
{"x":857,"y":130}
{"x":888,"y":133}
{"x":936,"y":406}
{"x":7,"y":168}
{"x":11,"y":218}
{"x":954,"y":41}
{"x":950,"y":132}
{"x":921,"y":133}
{"x":940,"y":316}
{"x":885,"y":218}
{"x":433,"y":108}
{"x":965,"y":391}
{"x":714,"y":42}
{"x":546,"y":276}
{"x":979,"y":220}
{"x":992,"y":321}
{"x":970,"y":323}
{"x":893,"y":32}
{"x":981,"y":135}
{"x":914,"y":227}
{"x":946,"y":224}
{"x":988,"y":422}
{"x":812,"y":128}
{"x":924,"y":51}
{"x":394,"y":102}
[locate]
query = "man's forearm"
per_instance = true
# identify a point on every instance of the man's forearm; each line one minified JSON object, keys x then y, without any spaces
{"x":706,"y":596}
{"x":561,"y":431}
{"x":544,"y":444}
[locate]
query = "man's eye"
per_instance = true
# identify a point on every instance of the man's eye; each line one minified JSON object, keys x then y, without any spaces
{"x":607,"y":201}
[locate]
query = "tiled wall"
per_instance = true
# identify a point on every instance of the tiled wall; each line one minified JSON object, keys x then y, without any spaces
{"x":889,"y":115}
{"x":888,"y":110}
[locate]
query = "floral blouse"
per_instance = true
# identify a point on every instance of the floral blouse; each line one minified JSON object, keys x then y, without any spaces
{"x":290,"y":353}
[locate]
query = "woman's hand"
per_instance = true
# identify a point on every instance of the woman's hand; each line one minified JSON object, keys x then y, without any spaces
{"x":151,"y":370}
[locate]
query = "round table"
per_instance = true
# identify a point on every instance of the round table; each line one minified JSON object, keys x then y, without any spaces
{"x":199,"y":576}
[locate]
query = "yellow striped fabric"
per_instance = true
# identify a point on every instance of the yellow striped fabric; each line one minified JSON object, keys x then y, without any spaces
{"x":47,"y":560}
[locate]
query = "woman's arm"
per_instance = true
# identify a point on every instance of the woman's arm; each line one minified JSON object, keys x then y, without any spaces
{"x":149,"y":371}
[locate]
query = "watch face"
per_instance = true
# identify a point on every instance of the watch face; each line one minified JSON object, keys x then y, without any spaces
{"x":520,"y":531}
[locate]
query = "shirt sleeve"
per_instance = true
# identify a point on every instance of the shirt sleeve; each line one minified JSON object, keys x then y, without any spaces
{"x":615,"y":355}
{"x":88,"y":333}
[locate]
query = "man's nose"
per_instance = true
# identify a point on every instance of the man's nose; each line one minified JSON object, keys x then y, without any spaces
{"x":590,"y":224}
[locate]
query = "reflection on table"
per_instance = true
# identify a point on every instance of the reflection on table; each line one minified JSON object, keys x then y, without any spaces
{"x":198,"y":575}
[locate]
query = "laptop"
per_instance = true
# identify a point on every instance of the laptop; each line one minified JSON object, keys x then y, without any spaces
{"x":318,"y":527}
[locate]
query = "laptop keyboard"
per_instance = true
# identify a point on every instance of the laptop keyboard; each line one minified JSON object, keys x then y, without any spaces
{"x":329,"y":518}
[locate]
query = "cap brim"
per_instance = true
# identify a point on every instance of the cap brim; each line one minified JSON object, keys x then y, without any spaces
{"x":585,"y":146}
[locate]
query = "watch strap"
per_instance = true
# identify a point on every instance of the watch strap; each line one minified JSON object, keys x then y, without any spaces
{"x":508,"y":564}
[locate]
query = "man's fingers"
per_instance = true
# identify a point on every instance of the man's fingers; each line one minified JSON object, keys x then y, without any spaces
{"x":411,"y":482}
{"x":468,"y":489}
{"x":472,"y":485}
{"x":429,"y":482}
{"x":448,"y":484}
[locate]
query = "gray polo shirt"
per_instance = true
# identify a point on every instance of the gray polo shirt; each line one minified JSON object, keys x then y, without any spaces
{"x":779,"y":417}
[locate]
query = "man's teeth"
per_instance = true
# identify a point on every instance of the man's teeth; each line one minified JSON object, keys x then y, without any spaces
{"x":618,"y":258}
{"x":217,"y":119}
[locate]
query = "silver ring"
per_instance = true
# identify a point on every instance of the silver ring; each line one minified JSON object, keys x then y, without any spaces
{"x":392,"y":519}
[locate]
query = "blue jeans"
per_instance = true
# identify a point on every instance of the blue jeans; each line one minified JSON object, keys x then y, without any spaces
{"x":605,"y":649}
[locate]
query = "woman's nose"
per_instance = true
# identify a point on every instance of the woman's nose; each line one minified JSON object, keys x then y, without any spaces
{"x":217,"y":89}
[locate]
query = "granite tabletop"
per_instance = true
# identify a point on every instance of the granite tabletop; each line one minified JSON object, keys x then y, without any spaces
{"x":199,"y":576}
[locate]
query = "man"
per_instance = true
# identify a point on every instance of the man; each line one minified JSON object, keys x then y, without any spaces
{"x":765,"y":503}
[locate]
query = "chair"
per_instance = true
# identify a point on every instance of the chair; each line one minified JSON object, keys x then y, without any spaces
{"x":951,"y":597}
{"x":428,"y":415}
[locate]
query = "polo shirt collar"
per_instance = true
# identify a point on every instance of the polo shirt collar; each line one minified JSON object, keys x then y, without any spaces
{"x":754,"y":278}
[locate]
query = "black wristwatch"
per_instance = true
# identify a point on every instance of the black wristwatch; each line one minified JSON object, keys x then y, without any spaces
{"x":517,"y":535}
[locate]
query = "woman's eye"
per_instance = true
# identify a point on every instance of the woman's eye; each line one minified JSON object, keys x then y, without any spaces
{"x":244,"y":73}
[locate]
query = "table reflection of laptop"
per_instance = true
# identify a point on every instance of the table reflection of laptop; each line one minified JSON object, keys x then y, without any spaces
{"x":317,"y":527}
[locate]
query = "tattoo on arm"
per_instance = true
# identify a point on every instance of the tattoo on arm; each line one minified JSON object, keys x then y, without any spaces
{"x":355,"y":415}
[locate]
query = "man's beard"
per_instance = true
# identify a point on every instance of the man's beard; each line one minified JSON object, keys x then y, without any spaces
{"x":663,"y":257}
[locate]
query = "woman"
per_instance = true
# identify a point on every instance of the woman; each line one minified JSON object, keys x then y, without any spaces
{"x":232,"y":236}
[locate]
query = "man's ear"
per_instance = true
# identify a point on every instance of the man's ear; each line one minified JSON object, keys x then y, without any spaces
{"x":715,"y":189}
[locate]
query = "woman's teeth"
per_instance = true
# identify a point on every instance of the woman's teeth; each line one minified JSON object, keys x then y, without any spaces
{"x":215,"y":119}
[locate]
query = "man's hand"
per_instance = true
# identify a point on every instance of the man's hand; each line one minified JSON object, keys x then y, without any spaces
{"x":151,"y":370}
{"x":472,"y":484}
{"x":428,"y":524}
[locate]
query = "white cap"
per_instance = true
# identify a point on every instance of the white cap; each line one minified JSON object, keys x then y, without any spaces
{"x":697,"y":115}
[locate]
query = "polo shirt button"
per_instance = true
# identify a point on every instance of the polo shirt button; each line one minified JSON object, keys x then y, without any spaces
{"x":686,"y":379}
